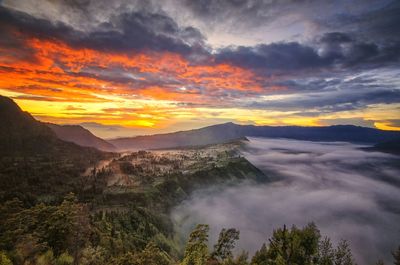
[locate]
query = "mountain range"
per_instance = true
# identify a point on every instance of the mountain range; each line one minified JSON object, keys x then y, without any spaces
{"x":20,"y":130}
{"x":229,"y":131}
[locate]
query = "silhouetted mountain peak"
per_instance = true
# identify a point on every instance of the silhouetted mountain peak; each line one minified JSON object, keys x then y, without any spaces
{"x":9,"y":111}
{"x":15,"y":122}
{"x":19,"y":131}
{"x":80,"y":136}
{"x":21,"y":134}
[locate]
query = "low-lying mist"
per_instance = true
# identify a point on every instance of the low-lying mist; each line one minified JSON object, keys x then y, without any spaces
{"x":350,"y":193}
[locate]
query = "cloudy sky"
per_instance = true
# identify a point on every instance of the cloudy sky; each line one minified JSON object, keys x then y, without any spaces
{"x":133,"y":67}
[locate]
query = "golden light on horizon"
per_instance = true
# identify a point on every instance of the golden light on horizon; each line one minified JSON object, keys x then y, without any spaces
{"x":57,"y":87}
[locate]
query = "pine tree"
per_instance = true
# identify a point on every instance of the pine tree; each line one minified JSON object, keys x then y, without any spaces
{"x":226,"y":243}
{"x":396,"y":256}
{"x":261,"y":256}
{"x":326,"y":254}
{"x":196,"y":252}
{"x":343,"y":254}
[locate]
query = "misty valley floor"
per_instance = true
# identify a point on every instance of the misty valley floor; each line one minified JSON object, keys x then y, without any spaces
{"x":256,"y":185}
{"x":350,"y":193}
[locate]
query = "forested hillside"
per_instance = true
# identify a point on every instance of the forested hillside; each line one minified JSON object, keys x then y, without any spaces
{"x":62,"y":204}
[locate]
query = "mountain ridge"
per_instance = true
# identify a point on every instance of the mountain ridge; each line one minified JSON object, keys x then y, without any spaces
{"x":27,"y":131}
{"x":80,"y":136}
{"x":229,"y":131}
{"x":21,"y":132}
{"x":34,"y":161}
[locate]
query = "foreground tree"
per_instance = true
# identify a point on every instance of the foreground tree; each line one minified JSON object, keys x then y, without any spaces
{"x":326,"y":252}
{"x":225,"y":245}
{"x":302,"y":246}
{"x":396,"y":256}
{"x":343,"y":254}
{"x":261,"y":256}
{"x":196,"y":252}
{"x":151,"y":255}
{"x":294,"y":246}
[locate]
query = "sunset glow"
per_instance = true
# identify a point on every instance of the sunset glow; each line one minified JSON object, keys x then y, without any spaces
{"x":67,"y":78}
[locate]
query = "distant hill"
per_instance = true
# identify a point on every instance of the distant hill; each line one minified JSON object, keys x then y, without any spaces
{"x":21,"y":134}
{"x":80,"y":136}
{"x":34,"y":161}
{"x":19,"y":131}
{"x":230,"y":131}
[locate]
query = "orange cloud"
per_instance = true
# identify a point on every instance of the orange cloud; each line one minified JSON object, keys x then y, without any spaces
{"x":57,"y":72}
{"x":57,"y":68}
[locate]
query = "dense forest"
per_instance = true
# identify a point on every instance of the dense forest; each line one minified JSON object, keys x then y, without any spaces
{"x":68,"y":233}
{"x":57,"y":207}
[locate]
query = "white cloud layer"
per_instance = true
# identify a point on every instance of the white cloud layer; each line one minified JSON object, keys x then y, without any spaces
{"x":348,"y":192}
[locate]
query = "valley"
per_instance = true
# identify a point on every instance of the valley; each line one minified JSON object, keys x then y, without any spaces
{"x":63,"y":201}
{"x":160,"y":179}
{"x":199,"y":132}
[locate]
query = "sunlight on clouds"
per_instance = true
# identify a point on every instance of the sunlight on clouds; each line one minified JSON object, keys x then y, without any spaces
{"x":386,"y":126}
{"x":163,"y":89}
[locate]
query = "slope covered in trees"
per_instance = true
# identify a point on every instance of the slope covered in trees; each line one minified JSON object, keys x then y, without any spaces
{"x":34,"y":162}
{"x":57,"y":207}
{"x":67,"y":234}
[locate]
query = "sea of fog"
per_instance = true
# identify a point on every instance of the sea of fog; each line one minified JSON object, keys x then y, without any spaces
{"x":348,"y":192}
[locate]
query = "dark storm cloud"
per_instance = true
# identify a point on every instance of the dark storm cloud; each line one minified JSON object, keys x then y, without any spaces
{"x":332,"y":95}
{"x":335,"y":37}
{"x":276,"y":56}
{"x":125,"y":32}
{"x":145,"y":29}
{"x":378,"y":21}
{"x":369,"y":34}
{"x":76,"y":4}
{"x":34,"y":27}
{"x":330,"y":102}
{"x":348,"y":51}
{"x":334,"y":49}
{"x":140,"y":31}
{"x":365,"y":18}
{"x":127,"y":76}
{"x":12,"y":24}
{"x":215,"y":9}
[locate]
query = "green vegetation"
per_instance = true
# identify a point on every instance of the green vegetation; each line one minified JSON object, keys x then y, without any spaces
{"x":46,"y":177}
{"x":68,"y":234}
{"x":119,"y":214}
{"x":62,"y":204}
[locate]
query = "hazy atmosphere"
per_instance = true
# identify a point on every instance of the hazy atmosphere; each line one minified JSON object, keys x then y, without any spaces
{"x":123,"y":68}
{"x":180,"y":132}
{"x":348,"y":192}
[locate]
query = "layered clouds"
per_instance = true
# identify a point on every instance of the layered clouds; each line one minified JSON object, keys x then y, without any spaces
{"x":182,"y":64}
{"x":348,"y":192}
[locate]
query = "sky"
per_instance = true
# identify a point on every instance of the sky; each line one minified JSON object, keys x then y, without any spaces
{"x":122,"y":68}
